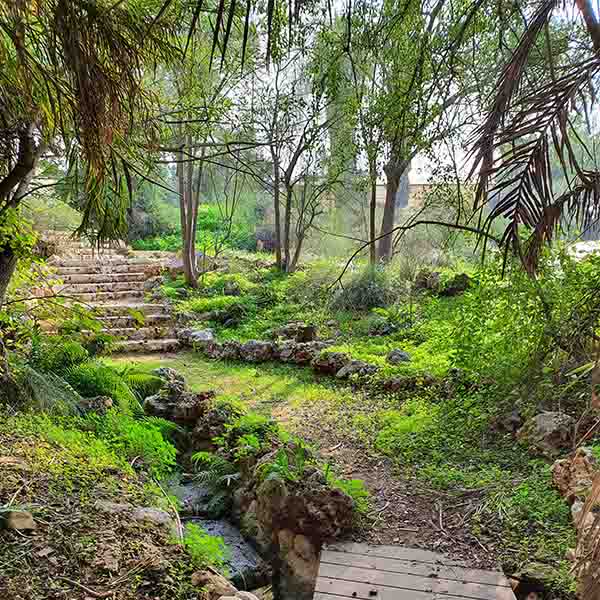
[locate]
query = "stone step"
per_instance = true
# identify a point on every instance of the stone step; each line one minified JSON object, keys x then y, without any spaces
{"x":74,"y":289}
{"x":142,"y":333}
{"x":127,"y":321}
{"x":89,"y":268}
{"x":124,"y":309}
{"x":164,"y":345}
{"x":94,"y":297}
{"x":103,"y":277}
{"x":99,"y":261}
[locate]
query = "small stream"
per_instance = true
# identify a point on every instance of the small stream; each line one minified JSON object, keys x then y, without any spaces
{"x":247,"y":570}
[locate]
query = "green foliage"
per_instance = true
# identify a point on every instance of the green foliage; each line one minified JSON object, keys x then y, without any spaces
{"x":220,"y":476}
{"x":368,"y":289}
{"x":355,"y":488}
{"x":251,"y":428}
{"x":16,"y":232}
{"x":141,"y":384}
{"x":136,"y":439}
{"x":205,"y":550}
{"x":97,"y":379}
{"x":284,"y":467}
{"x":211,"y":303}
{"x":57,"y":354}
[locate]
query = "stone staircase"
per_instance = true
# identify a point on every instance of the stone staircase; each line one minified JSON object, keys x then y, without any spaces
{"x":111,"y":282}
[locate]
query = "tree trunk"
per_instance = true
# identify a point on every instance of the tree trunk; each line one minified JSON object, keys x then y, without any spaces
{"x":8,"y":263}
{"x":277,"y":210}
{"x":393,"y":172}
{"x":287,"y":228}
{"x":372,"y":209}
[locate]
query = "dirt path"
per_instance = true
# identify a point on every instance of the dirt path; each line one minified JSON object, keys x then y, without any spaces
{"x":404,"y":511}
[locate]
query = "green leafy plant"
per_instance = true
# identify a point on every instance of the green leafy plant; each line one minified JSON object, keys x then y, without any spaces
{"x":369,"y":289}
{"x":355,"y":488}
{"x":57,"y":354}
{"x":96,"y":379}
{"x":220,"y":476}
{"x":282,"y":468}
{"x":205,"y":550}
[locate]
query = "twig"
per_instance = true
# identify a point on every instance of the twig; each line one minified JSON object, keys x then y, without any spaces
{"x":87,"y":589}
{"x":174,"y":508}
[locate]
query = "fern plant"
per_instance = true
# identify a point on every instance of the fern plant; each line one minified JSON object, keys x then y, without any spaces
{"x":281,"y":468}
{"x":220,"y":476}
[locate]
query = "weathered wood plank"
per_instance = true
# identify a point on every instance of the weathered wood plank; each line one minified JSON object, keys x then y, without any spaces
{"x":371,"y":591}
{"x":398,"y":552}
{"x":399,"y":595}
{"x":408,"y":582}
{"x":413,"y":567}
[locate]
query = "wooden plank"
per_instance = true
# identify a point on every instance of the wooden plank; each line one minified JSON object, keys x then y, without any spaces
{"x":399,"y":595}
{"x":398,"y":552}
{"x":419,"y":583}
{"x":412,"y":567}
{"x":371,"y":591}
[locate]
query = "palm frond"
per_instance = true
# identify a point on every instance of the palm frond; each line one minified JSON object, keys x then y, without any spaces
{"x":514,"y":155}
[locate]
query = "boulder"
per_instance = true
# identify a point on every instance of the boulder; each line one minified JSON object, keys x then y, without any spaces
{"x":228,"y":350}
{"x":397,"y":356}
{"x":19,"y":520}
{"x":300,"y":353}
{"x":508,"y":423}
{"x":169,"y":375}
{"x":428,"y":280}
{"x":547,"y":433}
{"x":359,"y":368}
{"x":214,"y":585}
{"x":582,"y":523}
{"x":300,"y":566}
{"x":98,"y":404}
{"x":330,"y":363}
{"x":457,"y":285}
{"x":258,"y":351}
{"x":199,"y":337}
{"x":174,"y":403}
{"x":297,"y":331}
{"x":573,"y":476}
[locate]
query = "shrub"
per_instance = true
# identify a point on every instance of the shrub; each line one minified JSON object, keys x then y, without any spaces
{"x":355,"y":488}
{"x":57,"y":354}
{"x":134,"y":438}
{"x":205,"y":550}
{"x":366,"y":290}
{"x":96,"y":379}
{"x":141,"y":384}
{"x":264,"y":429}
{"x":211,"y":303}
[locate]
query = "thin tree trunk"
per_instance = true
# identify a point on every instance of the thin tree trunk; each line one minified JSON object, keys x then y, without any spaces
{"x":372,"y":226}
{"x":393,"y":172}
{"x":297,"y":253}
{"x":277,"y":210}
{"x":287,"y":229}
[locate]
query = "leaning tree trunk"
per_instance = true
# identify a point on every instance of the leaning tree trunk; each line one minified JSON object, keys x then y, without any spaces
{"x":8,"y":263}
{"x":287,"y":229}
{"x":393,"y":172}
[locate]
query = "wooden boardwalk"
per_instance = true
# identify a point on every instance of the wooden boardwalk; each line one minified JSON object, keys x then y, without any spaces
{"x":398,"y":573}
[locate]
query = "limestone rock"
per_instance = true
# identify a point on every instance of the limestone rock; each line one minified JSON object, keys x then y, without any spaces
{"x":428,"y":280}
{"x":300,"y":353}
{"x":397,"y":356}
{"x":19,"y":520}
{"x":215,"y":585}
{"x":112,"y":508}
{"x":228,"y":350}
{"x":581,"y":523}
{"x":155,"y":516}
{"x":256,"y":351}
{"x":246,"y":596}
{"x":547,"y":433}
{"x":196,"y":336}
{"x":174,"y":403}
{"x":297,"y":331}
{"x":153,"y":283}
{"x":573,"y":476}
{"x":457,"y":285}
{"x":97,"y":404}
{"x":330,"y":363}
{"x":356,"y":367}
